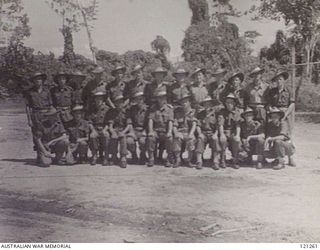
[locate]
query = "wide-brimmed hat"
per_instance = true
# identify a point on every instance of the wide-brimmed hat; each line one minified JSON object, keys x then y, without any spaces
{"x":77,"y":108}
{"x":197,"y":70}
{"x":240,"y":75}
{"x":99,"y":93}
{"x":78,"y":73}
{"x":118,"y":68}
{"x":56,"y":76}
{"x":206,"y":99}
{"x":180,"y":71}
{"x":247,"y":111}
{"x":218,"y":71}
{"x":231,"y":96}
{"x":137,"y":94}
{"x":256,"y":71}
{"x":98,"y":70}
{"x":275,"y":110}
{"x":159,"y":70}
{"x":285,"y":74}
{"x":160,"y":92}
{"x":136,"y":68}
{"x":118,"y":97}
{"x":38,"y":74}
{"x":50,"y":112}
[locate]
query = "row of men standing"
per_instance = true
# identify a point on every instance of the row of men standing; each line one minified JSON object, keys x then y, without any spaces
{"x":158,"y":116}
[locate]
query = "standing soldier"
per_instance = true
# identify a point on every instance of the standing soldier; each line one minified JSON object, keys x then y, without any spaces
{"x":137,"y":82}
{"x":198,"y":87}
{"x":157,"y":84}
{"x":230,"y":115}
{"x":117,"y":86}
{"x":252,"y":136}
{"x":99,"y":135}
{"x":216,"y":84}
{"x":119,"y":128}
{"x":235,"y":87}
{"x":278,"y":139}
{"x":78,"y":130}
{"x":97,"y":84}
{"x":179,"y":86}
{"x":255,"y":95}
{"x":138,"y":115}
{"x":184,"y":128}
{"x":38,"y":100}
{"x":160,"y":124}
{"x":208,"y":129}
{"x":282,"y":97}
{"x":62,"y":96}
{"x":52,"y":141}
{"x":76,"y":80}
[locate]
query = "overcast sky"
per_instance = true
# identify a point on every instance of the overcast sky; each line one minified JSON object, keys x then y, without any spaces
{"x":132,"y":24}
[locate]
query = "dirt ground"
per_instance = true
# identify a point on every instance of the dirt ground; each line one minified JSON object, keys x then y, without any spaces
{"x":82,"y":203}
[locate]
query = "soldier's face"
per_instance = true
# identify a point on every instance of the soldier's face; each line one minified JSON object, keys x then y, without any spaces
{"x":185,"y":103}
{"x":248,"y":117}
{"x":180,"y":77}
{"x":199,"y":77}
{"x":280,"y":81}
{"x":62,"y":80}
{"x":230,"y":104}
{"x":275,"y":117}
{"x":38,"y":81}
{"x":119,"y":75}
{"x":138,"y":74}
{"x":236,"y":82}
{"x":137,"y":100}
{"x":161,"y":100}
{"x":118,"y":103}
{"x":77,"y":115}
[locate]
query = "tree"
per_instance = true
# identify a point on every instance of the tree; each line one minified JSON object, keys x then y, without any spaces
{"x":200,"y":11}
{"x":162,"y":48}
{"x":302,"y":15}
{"x":75,"y":15}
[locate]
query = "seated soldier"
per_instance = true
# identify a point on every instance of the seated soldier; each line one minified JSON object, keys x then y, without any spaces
{"x":76,"y":81}
{"x":160,"y":124}
{"x":208,"y":131}
{"x":138,"y":114}
{"x":277,"y":143}
{"x":99,"y":134}
{"x":184,"y":128}
{"x":230,"y":117}
{"x":78,"y":130}
{"x":252,"y":136}
{"x":52,"y":141}
{"x":119,"y":127}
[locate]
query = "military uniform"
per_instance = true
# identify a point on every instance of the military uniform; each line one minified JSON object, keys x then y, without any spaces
{"x":153,"y":87}
{"x":78,"y":131}
{"x":49,"y":132}
{"x":161,"y":117}
{"x":99,"y":138}
{"x":254,"y":146}
{"x":62,"y":101}
{"x":138,"y":115}
{"x":176,"y":90}
{"x":279,"y":148}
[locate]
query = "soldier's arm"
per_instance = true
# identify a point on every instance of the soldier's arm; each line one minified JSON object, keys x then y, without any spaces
{"x":62,"y":137}
{"x":170,"y":127}
{"x":289,"y":110}
{"x":193,"y":128}
{"x":150,"y":127}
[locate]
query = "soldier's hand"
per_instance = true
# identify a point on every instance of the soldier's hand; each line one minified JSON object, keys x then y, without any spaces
{"x":236,"y":138}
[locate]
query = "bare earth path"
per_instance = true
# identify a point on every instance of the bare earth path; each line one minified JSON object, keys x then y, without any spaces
{"x":140,"y":204}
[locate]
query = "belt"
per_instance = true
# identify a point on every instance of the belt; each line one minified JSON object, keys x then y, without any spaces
{"x":64,"y":108}
{"x":41,"y":110}
{"x":257,"y":105}
{"x":139,"y":129}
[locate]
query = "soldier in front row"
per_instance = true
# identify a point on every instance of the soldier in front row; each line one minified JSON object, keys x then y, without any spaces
{"x":184,"y":128}
{"x":99,"y":134}
{"x":160,"y":124}
{"x":78,"y":130}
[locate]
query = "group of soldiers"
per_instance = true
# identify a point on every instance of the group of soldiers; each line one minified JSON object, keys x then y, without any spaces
{"x":143,"y":119}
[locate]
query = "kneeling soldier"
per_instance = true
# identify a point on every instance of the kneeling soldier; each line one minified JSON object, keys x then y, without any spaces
{"x":208,"y":131}
{"x":160,"y":125}
{"x":184,"y":128}
{"x":52,"y":141}
{"x":278,"y":140}
{"x":99,"y":135}
{"x":119,"y":127}
{"x":252,"y":136}
{"x":138,"y":114}
{"x":78,"y":130}
{"x":230,"y":116}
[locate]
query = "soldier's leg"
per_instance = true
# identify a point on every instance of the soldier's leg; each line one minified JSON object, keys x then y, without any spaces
{"x":199,"y":148}
{"x":177,"y":149}
{"x":215,"y":151}
{"x":132,"y":147}
{"x":168,"y":146}
{"x":94,"y":147}
{"x":235,"y":149}
{"x":123,"y":151}
{"x":280,"y":149}
{"x":142,"y":142}
{"x":257,"y":148}
{"x":151,"y":144}
{"x":82,"y":151}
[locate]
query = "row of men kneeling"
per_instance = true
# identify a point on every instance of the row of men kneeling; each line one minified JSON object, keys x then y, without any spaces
{"x":119,"y":131}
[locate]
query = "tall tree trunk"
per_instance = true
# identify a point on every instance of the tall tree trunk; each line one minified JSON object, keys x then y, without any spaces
{"x":68,"y":53}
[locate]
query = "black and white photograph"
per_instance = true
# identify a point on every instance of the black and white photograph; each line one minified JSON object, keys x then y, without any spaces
{"x":159,"y":121}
